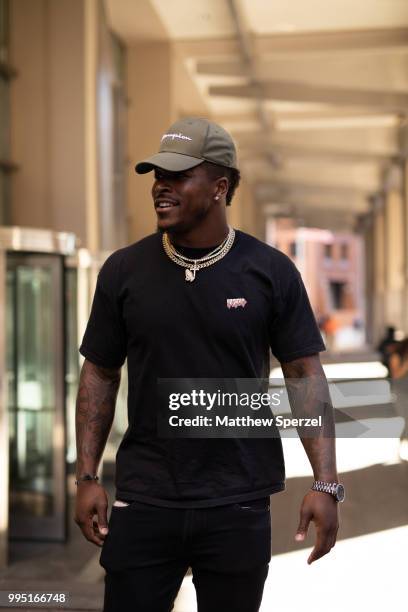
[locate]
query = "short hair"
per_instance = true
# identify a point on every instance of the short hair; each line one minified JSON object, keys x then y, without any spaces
{"x":215,"y":171}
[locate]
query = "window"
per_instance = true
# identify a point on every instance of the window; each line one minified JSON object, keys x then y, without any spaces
{"x":344,"y":251}
{"x":340,"y":295}
{"x":336,"y":294}
{"x":328,"y":251}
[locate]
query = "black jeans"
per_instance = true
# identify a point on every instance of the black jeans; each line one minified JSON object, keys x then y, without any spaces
{"x":149,"y":549}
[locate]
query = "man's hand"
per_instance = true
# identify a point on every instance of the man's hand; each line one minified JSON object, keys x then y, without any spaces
{"x":95,"y":409}
{"x":308,"y":393}
{"x":92,"y":500}
{"x":322,"y":509}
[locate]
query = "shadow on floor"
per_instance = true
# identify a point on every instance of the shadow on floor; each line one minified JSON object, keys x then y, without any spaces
{"x":377,"y":499}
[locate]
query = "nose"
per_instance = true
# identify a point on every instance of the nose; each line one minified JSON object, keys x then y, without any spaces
{"x":161,"y":185}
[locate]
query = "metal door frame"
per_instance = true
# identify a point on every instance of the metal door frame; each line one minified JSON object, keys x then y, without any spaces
{"x":23,"y":529}
{"x":24,"y":241}
{"x":4,"y":426}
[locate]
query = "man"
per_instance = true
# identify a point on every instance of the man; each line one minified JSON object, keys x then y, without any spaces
{"x":195,"y":301}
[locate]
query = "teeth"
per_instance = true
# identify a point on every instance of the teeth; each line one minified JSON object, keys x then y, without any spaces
{"x":165,"y":204}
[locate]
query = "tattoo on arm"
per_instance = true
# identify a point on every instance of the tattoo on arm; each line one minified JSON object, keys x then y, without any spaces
{"x":95,"y":409}
{"x":309,"y":397}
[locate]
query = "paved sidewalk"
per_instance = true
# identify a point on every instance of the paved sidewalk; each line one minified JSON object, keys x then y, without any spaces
{"x":71,"y":567}
{"x":374,"y":517}
{"x":82,"y":596}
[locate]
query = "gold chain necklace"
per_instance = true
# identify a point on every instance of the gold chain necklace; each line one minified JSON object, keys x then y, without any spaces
{"x":192,"y":265}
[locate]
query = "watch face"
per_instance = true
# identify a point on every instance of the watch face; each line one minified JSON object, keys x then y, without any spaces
{"x":340,"y":493}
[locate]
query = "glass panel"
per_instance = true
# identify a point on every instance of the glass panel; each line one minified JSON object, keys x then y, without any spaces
{"x":72,"y":358}
{"x":10,"y":359}
{"x":120,"y":424}
{"x":10,"y":344}
{"x":33,"y":406}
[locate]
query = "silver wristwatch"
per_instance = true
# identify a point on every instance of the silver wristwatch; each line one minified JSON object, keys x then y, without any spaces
{"x":333,"y":488}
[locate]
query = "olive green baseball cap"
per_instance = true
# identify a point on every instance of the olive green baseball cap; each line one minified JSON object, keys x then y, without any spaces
{"x":188,"y":143}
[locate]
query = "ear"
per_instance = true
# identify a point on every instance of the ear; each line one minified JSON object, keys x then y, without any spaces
{"x":221,"y":188}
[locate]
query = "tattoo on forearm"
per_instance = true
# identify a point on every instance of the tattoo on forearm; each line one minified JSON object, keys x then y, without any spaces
{"x":309,"y":396}
{"x":95,"y":409}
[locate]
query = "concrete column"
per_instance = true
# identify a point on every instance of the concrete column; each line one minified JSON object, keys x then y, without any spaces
{"x":394,"y":251}
{"x":62,"y":126}
{"x":378,"y":319}
{"x":243,"y":212}
{"x":91,"y":236}
{"x":150,"y":112}
{"x":160,"y":90}
{"x":47,"y":114}
{"x":29,"y":112}
{"x":234,"y":212}
{"x":367,"y":234}
{"x":403,"y":145}
{"x":405,"y":245}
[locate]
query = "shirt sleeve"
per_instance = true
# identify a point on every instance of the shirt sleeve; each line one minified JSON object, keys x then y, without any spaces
{"x":294,"y":332}
{"x":104,"y":342}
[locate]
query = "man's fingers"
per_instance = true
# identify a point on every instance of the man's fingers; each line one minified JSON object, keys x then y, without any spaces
{"x":334,"y":538}
{"x":98,"y":538}
{"x":87,"y":527}
{"x":325,"y":541}
{"x":301,"y":532}
{"x":323,"y":511}
{"x":102,"y":520}
{"x":317,"y":553}
{"x":91,"y":512}
{"x":94,"y":526}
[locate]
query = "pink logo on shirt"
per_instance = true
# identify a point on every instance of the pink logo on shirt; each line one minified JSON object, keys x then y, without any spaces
{"x":236,"y":303}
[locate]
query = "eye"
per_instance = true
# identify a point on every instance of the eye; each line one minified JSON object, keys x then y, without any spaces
{"x":171,"y":176}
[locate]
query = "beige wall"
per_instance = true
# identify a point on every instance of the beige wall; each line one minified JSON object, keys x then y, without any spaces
{"x":405,"y":244}
{"x":29,"y":112}
{"x":379,"y":317}
{"x":188,"y":101}
{"x":379,"y":252}
{"x":47,"y":122}
{"x":390,"y":254}
{"x":394,"y":253}
{"x":55,"y":135}
{"x":242,"y":214}
{"x":160,"y":91}
{"x":150,"y":112}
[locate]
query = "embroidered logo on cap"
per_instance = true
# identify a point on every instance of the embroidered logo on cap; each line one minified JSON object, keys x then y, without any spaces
{"x":236,"y":303}
{"x":179,"y":136}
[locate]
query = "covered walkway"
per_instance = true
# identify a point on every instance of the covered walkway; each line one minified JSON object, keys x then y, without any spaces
{"x":315,"y":95}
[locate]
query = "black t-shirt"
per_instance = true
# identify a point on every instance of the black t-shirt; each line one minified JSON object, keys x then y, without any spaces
{"x":145,"y":311}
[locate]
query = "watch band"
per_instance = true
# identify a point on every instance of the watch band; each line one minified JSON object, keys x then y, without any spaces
{"x":333,"y":488}
{"x":86,"y":477}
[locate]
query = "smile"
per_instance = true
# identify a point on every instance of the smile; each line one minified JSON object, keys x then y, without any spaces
{"x":165,"y":204}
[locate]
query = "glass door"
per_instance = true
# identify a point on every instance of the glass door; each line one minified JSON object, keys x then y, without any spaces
{"x":35,"y":391}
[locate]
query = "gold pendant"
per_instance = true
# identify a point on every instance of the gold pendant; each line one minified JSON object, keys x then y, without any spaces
{"x":190,"y":275}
